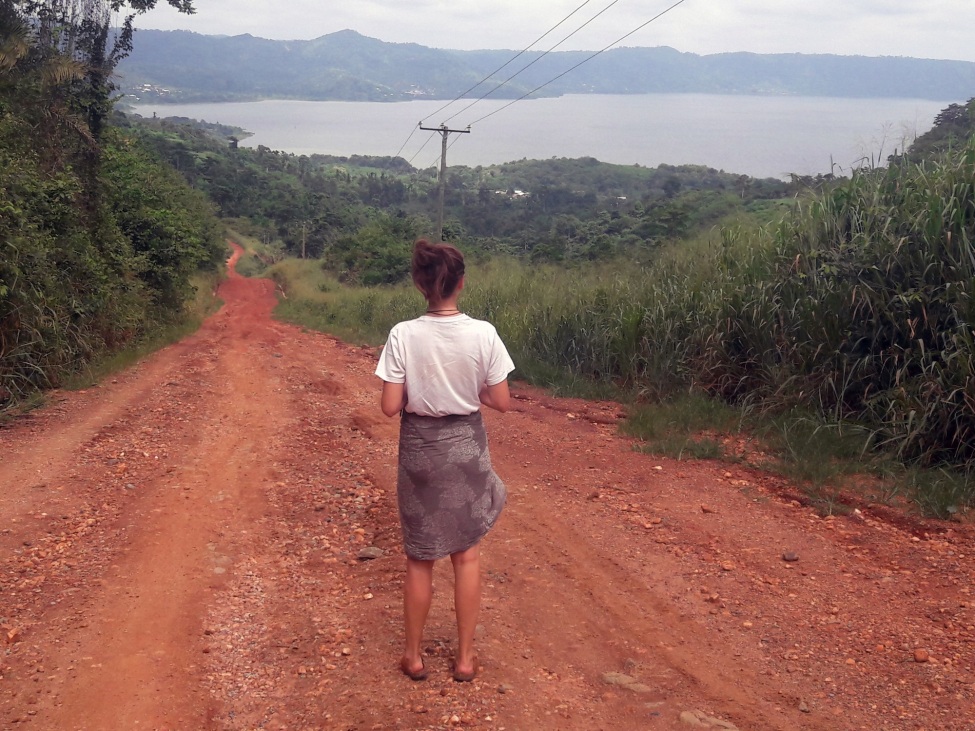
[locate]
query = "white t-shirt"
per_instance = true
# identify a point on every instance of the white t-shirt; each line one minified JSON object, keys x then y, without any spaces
{"x":445,"y":363}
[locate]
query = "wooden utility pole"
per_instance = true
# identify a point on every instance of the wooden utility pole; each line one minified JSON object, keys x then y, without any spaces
{"x":304,"y":237}
{"x":442,"y":129}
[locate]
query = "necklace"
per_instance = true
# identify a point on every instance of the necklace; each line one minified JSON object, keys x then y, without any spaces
{"x":443,"y":312}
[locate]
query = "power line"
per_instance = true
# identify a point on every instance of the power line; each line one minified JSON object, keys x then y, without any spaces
{"x":559,"y":76}
{"x":506,"y":63}
{"x":585,"y":60}
{"x":510,"y":60}
{"x":445,"y":132}
{"x":410,"y":161}
{"x":407,"y":140}
{"x":528,"y":66}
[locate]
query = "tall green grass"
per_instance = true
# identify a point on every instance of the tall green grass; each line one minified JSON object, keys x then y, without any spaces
{"x":865,"y":310}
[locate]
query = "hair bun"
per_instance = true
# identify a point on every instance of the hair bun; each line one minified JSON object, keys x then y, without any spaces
{"x":437,"y":269}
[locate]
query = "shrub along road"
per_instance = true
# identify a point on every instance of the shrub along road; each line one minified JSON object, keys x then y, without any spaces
{"x":179,"y":549}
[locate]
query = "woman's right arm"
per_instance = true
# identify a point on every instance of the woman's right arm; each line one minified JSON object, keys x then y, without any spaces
{"x":497,"y":397}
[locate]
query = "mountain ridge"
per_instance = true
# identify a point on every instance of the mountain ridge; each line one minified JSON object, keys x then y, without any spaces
{"x":348,"y":66}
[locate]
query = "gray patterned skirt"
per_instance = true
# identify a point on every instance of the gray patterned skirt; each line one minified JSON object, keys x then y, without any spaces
{"x":449,"y":496}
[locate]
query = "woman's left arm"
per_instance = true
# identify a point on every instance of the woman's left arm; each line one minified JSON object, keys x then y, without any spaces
{"x":393,"y":399}
{"x":497,"y":396}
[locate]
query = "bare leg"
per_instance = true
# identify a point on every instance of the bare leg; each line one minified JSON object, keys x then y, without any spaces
{"x":467,"y":604}
{"x":417,"y":595}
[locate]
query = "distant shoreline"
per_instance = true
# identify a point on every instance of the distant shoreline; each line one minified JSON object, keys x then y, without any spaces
{"x":760,"y":136}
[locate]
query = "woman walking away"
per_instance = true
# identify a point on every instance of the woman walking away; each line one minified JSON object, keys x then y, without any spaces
{"x":437,"y":371}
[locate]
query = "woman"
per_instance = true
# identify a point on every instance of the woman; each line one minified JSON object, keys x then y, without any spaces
{"x":437,"y":371}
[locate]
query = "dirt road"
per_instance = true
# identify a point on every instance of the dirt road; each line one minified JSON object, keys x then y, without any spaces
{"x":179,"y":550}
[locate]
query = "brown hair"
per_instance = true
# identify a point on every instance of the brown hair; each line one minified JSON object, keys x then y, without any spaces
{"x":436,"y":269}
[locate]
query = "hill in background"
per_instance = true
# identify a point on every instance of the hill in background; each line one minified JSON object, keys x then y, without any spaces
{"x":183,"y":66}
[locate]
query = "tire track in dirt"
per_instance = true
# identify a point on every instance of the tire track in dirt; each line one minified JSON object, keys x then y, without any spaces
{"x":610,"y":605}
{"x":139,"y":630}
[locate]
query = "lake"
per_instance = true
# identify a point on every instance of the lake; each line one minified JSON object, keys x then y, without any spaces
{"x":762,"y":136}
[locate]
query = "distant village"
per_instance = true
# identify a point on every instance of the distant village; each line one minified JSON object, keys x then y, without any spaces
{"x":149,"y":90}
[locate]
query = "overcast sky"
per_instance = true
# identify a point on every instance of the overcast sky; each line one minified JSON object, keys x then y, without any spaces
{"x":918,"y":28}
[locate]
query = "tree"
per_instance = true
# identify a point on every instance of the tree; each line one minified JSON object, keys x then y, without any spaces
{"x":78,"y":34}
{"x":97,"y":243}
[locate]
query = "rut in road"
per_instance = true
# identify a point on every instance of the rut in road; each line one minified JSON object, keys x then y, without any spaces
{"x":180,"y":551}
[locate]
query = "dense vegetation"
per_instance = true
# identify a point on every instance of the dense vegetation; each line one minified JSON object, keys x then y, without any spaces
{"x":98,"y":238}
{"x":183,"y":66}
{"x":952,"y":130}
{"x":361,"y":214}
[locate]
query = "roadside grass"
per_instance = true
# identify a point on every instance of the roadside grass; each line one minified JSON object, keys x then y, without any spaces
{"x":204,"y":304}
{"x":682,"y":428}
{"x":815,"y":452}
{"x":826,"y":461}
{"x":943,"y":493}
{"x":313,"y":298}
{"x":563,"y":384}
{"x":24,"y":405}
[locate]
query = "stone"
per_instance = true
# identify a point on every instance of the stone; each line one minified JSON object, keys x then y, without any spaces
{"x":921,"y":655}
{"x":699,"y":719}
{"x":614,"y":678}
{"x":804,"y":707}
{"x":627,"y":682}
{"x":707,"y":509}
{"x":370,"y":552}
{"x":790,"y":556}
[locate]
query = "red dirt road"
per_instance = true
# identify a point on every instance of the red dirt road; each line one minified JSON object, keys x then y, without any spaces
{"x":178,"y":550}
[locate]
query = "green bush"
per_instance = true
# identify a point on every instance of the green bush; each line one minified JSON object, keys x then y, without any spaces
{"x":85,"y":270}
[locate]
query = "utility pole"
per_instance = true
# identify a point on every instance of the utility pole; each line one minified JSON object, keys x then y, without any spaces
{"x":442,"y":129}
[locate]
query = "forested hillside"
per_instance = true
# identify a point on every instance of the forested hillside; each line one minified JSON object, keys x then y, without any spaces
{"x":184,"y":66}
{"x":98,"y":238}
{"x":350,"y":210}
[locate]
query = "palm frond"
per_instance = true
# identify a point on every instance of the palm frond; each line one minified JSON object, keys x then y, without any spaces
{"x":14,"y":44}
{"x":61,"y":70}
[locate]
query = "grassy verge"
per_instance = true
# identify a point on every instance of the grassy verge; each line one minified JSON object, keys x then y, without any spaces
{"x":688,"y":427}
{"x":829,"y":462}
